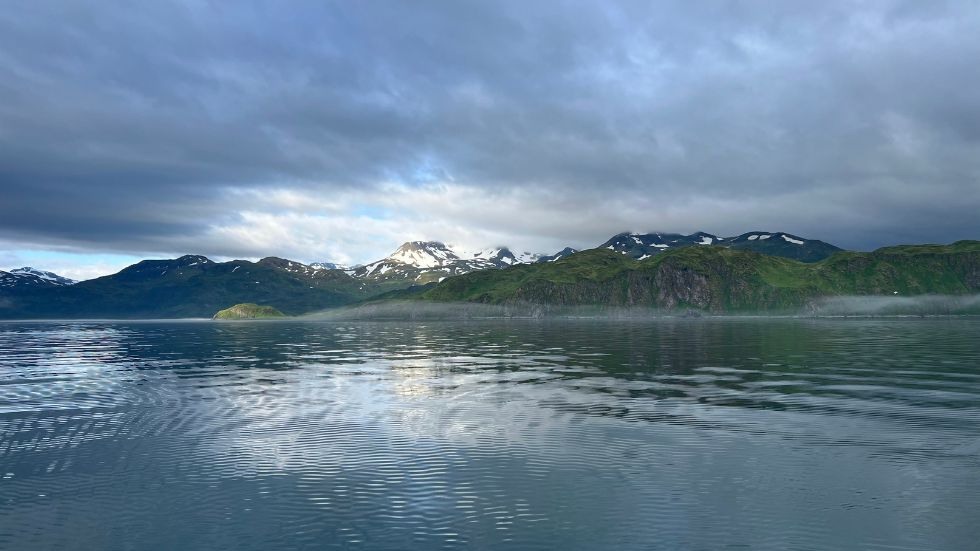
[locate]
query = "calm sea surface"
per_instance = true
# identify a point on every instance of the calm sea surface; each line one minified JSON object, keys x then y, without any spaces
{"x":672,"y":434}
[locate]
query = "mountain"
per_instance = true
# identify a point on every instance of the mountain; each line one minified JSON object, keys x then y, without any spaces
{"x":196,"y":286}
{"x":189,"y":286}
{"x":328,"y":266}
{"x":644,"y":245}
{"x":567,"y":251}
{"x":31,"y":278}
{"x":47,"y":276}
{"x":720,"y":279}
{"x":412,"y":262}
{"x":421,"y":262}
{"x":782,"y":244}
{"x":755,"y":271}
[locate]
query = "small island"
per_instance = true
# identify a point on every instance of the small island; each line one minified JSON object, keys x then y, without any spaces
{"x":248,"y":311}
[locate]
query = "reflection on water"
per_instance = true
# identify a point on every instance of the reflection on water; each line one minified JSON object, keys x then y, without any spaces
{"x":676,"y":434}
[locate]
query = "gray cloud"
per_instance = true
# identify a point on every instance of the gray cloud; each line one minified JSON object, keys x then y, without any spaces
{"x":137,"y":130}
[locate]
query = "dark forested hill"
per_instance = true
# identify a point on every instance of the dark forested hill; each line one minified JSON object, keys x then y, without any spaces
{"x":189,"y":286}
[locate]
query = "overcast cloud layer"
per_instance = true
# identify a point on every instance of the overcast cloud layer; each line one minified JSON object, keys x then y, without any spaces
{"x":335,"y":131}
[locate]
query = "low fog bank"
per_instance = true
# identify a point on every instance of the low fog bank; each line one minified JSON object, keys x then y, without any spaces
{"x":412,"y":310}
{"x":924,"y":305}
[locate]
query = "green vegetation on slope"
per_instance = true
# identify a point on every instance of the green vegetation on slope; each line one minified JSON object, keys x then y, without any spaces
{"x":248,"y":311}
{"x":718,"y":279}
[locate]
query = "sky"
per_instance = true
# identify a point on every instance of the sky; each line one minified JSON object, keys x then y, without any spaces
{"x":335,"y":131}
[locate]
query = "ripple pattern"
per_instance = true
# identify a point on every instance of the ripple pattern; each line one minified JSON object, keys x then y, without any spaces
{"x":576,"y":434}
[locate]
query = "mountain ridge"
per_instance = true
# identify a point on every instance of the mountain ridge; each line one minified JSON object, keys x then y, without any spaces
{"x":188,"y":286}
{"x":421,"y":262}
{"x":703,"y":264}
{"x":720,"y":279}
{"x":645,"y":245}
{"x":31,"y":278}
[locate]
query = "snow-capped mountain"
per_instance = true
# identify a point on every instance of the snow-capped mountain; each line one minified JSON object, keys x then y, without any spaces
{"x":298,"y":285}
{"x":499,"y":257}
{"x":188,"y":286}
{"x":48,"y":276}
{"x":423,"y":254}
{"x":645,"y":245}
{"x":329,"y":266}
{"x":28,"y":277}
{"x":784,"y":244}
{"x":160,"y":268}
{"x":426,"y":261}
{"x":237,"y":272}
{"x":557,"y":256}
{"x":291,"y":266}
{"x":417,"y":261}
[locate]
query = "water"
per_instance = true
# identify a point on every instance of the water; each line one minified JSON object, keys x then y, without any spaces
{"x":683,"y":434}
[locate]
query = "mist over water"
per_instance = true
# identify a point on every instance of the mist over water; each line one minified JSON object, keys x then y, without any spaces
{"x":521,"y":434}
{"x":440,"y":311}
{"x":923,"y":305}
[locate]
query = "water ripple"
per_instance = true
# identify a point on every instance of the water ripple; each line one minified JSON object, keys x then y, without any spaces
{"x":678,"y":434}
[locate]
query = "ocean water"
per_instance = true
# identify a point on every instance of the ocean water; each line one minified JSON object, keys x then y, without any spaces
{"x":576,"y":434}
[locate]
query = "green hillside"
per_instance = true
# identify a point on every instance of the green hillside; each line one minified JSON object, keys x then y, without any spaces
{"x":718,"y":279}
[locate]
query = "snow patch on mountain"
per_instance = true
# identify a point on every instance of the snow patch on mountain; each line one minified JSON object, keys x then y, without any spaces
{"x":644,"y":245}
{"x":29,"y":272}
{"x":424,"y":261}
{"x":423,"y":254}
{"x":329,"y":266}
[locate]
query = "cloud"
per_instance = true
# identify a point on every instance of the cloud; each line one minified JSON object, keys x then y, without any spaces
{"x":336,"y":130}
